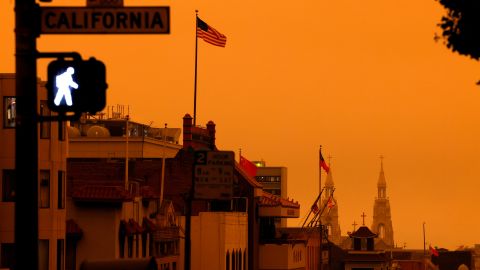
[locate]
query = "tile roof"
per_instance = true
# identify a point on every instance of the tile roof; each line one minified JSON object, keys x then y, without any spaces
{"x":268,"y":199}
{"x":101,"y":193}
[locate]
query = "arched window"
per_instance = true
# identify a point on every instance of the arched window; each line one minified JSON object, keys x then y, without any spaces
{"x":240,"y":259}
{"x":381,"y":231}
{"x":381,"y":192}
{"x":227,"y":261}
{"x":234,"y":260}
{"x":245,"y":259}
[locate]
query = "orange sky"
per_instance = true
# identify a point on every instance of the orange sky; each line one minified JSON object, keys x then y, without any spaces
{"x":362,"y":78}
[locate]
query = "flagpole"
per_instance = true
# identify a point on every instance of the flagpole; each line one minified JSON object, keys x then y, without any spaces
{"x":319,"y":175}
{"x":424,"y":248}
{"x":319,"y":207}
{"x":195,"y":80}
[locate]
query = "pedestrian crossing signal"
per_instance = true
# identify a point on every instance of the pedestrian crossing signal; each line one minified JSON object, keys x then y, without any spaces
{"x":76,"y":86}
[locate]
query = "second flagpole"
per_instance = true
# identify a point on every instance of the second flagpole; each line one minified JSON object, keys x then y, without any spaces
{"x":195,"y":79}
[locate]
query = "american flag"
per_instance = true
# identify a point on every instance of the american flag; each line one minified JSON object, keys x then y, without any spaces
{"x":323,"y":164}
{"x":209,"y":34}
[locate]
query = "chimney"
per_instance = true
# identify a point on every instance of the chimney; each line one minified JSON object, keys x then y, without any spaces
{"x":211,"y":134}
{"x":187,"y":130}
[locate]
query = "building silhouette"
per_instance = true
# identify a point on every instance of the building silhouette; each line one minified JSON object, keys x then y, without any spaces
{"x":52,"y":150}
{"x":382,"y":218}
{"x":274,"y":181}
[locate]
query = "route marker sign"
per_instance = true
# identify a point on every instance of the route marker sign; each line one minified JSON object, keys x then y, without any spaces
{"x":105,"y":20}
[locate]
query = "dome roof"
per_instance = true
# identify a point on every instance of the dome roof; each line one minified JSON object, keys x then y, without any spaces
{"x":98,"y":131}
{"x":73,"y":132}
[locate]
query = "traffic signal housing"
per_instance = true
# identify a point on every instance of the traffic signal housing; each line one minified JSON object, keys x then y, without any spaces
{"x":76,"y":86}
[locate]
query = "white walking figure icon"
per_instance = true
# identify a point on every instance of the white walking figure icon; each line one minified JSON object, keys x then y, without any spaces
{"x":63,"y":82}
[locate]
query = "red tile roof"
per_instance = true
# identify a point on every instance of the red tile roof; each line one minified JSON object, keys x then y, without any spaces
{"x":101,"y":193}
{"x":269,"y":199}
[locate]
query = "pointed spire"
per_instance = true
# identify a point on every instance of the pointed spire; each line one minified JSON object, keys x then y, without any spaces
{"x":381,"y":178}
{"x":329,"y":182}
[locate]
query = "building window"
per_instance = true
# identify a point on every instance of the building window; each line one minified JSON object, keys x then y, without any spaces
{"x":329,"y":229}
{"x":239,"y":259}
{"x":144,"y":235}
{"x":61,"y":190}
{"x":381,"y":231}
{"x":274,"y":179}
{"x":7,"y":255}
{"x":60,"y":258}
{"x":227,"y":261}
{"x":45,"y":125}
{"x":71,"y":256}
{"x":130,"y":246}
{"x":43,"y":254}
{"x":44,"y":189}
{"x":245,"y":260}
{"x":9,"y":112}
{"x":8,"y":185}
{"x":363,"y":244}
{"x":61,"y":130}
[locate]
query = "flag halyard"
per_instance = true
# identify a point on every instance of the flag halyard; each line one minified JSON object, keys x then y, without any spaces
{"x":209,"y":34}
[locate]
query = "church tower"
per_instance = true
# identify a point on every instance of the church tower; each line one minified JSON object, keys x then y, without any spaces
{"x":382,"y":218}
{"x":330,"y":214}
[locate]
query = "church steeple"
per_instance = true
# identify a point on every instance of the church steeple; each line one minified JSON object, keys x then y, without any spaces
{"x":329,"y":186}
{"x":382,"y":219}
{"x":382,"y":183}
{"x":330,"y":216}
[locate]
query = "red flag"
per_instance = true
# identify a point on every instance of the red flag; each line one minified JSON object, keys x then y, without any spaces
{"x":323,"y":164}
{"x":248,"y":166}
{"x":209,"y":34}
{"x":434,"y":251}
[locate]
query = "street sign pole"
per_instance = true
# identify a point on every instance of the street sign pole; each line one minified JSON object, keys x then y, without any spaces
{"x":26,"y":141}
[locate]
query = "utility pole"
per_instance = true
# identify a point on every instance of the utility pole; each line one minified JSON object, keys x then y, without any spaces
{"x":26,"y":136}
